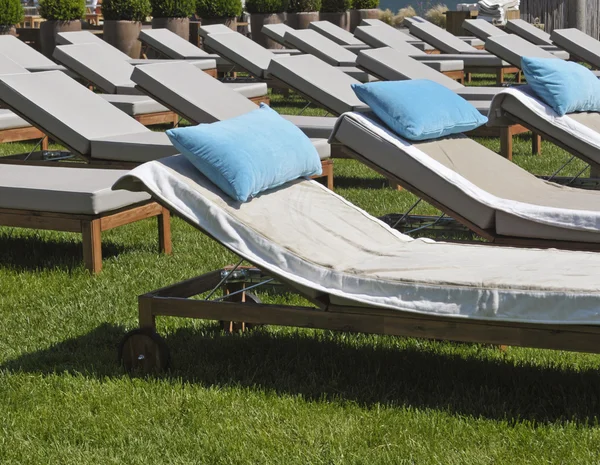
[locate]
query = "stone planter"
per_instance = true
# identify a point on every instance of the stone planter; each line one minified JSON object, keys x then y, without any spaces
{"x":356,"y":16}
{"x":124,"y":36}
{"x":341,"y":19}
{"x":257,"y":21}
{"x":180,"y":26}
{"x":49,"y":29}
{"x":8,"y":30}
{"x":301,"y":20}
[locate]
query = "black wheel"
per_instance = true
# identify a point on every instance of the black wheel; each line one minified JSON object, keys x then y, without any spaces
{"x":144,"y":351}
{"x":240,"y":326}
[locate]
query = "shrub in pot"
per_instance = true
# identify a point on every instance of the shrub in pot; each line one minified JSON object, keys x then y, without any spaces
{"x":60,"y":16}
{"x":123,"y":23}
{"x":173,"y":15}
{"x":336,"y":12}
{"x":265,"y":12}
{"x":300,"y":13}
{"x":11,"y":14}
{"x":363,"y":9}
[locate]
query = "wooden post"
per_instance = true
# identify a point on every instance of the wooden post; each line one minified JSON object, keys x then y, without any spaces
{"x":536,"y":144}
{"x":506,"y":143}
{"x":164,"y":232}
{"x":92,"y":245}
{"x":146,"y":318}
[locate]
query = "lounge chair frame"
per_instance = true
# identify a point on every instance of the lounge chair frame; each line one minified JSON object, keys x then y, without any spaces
{"x":21,"y":134}
{"x":92,"y":226}
{"x":143,"y":350}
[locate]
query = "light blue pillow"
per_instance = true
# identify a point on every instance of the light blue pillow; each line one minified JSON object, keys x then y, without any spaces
{"x":563,"y":85}
{"x":248,"y":154}
{"x":419,"y":109}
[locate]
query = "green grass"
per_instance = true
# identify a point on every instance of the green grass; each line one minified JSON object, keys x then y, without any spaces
{"x":273,"y":395}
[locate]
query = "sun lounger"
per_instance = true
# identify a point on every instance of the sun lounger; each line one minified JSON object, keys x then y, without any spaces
{"x":528,"y":32}
{"x":26,"y":56}
{"x":359,"y":274}
{"x":512,"y":48}
{"x":337,"y":34}
{"x":578,"y":44}
{"x":75,"y":199}
{"x":484,"y":29}
{"x":492,"y":196}
{"x":443,"y":40}
{"x":577,"y":133}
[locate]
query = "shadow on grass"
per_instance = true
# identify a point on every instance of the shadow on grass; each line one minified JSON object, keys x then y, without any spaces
{"x":330,"y":366}
{"x":345,"y":182}
{"x":34,"y":253}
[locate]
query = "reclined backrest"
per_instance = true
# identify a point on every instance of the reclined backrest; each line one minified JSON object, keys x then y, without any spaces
{"x":528,"y":32}
{"x":8,"y":66}
{"x":204,"y":31}
{"x":313,"y":43}
{"x":482,"y":29}
{"x":332,"y":32}
{"x":579,"y":44}
{"x":21,"y":53}
{"x":276,"y":32}
{"x":320,"y":82}
{"x":440,"y":38}
{"x":98,"y":65}
{"x":512,"y":48}
{"x":190,"y":92}
{"x":64,"y":109}
{"x":392,"y":65}
{"x":377,"y":36}
{"x":170,"y":44}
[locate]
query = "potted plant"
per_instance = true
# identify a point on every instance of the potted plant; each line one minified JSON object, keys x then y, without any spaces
{"x":265,"y":12}
{"x":219,"y":12}
{"x":300,"y":13}
{"x":11,"y":14}
{"x":60,"y":16}
{"x":363,"y":9}
{"x":336,"y":12}
{"x":173,"y":15}
{"x":123,"y":23}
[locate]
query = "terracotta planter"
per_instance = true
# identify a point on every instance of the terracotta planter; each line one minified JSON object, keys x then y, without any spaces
{"x":180,"y":26}
{"x":8,"y":30}
{"x":124,"y":36}
{"x":341,"y":19}
{"x":257,"y":21}
{"x":301,"y":20}
{"x":356,"y":16}
{"x":49,"y":29}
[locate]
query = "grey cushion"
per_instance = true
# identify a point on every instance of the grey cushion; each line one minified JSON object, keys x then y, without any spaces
{"x":191,"y":92}
{"x":310,"y":41}
{"x":482,"y":28}
{"x":512,"y":48}
{"x":134,"y":105}
{"x":59,"y":189}
{"x":528,"y":32}
{"x":379,"y":36}
{"x":322,"y":83}
{"x":335,"y":33}
{"x":480,"y":60}
{"x":170,"y":44}
{"x":323,"y":148}
{"x":356,"y":48}
{"x":70,"y":113}
{"x":249,"y":89}
{"x":134,"y":147}
{"x":357,"y":73}
{"x":316,"y":127}
{"x":392,"y":65}
{"x":285,"y":51}
{"x":479,"y":93}
{"x":241,"y":51}
{"x":21,"y":53}
{"x":440,"y":38}
{"x":204,"y":31}
{"x":8,"y":66}
{"x":472,"y":41}
{"x":83,"y":37}
{"x":8,"y":120}
{"x":277,"y":32}
{"x":444,"y":65}
{"x":200,"y":63}
{"x":579,"y":44}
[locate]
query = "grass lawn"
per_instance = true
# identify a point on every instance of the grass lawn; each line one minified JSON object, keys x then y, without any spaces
{"x":272,"y":395}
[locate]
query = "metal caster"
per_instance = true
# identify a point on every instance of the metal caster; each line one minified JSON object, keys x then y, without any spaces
{"x":144,"y":351}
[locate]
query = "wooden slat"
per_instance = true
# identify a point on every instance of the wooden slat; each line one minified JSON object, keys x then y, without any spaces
{"x":39,"y":220}
{"x":129,"y":215}
{"x":19,"y":134}
{"x":163,"y":117}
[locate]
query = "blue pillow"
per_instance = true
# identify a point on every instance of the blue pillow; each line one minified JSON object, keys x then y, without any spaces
{"x":248,"y":154}
{"x":419,"y":109}
{"x":563,"y":85}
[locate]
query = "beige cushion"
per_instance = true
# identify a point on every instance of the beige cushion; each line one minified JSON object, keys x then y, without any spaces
{"x":64,"y":190}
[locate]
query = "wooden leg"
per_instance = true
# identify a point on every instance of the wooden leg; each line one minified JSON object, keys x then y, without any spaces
{"x":146,"y":318}
{"x":469,"y":78}
{"x":506,"y":143}
{"x":500,"y":76}
{"x":164,"y":232}
{"x":45,"y":143}
{"x":519,"y":77}
{"x":536,"y":144}
{"x":92,"y":245}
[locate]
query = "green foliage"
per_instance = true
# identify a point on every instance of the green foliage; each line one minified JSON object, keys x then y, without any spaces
{"x":218,"y":8}
{"x":365,"y":4}
{"x":126,"y":10}
{"x":299,"y":6}
{"x":11,"y":12}
{"x":62,"y":10}
{"x":336,"y":6}
{"x":265,"y":6}
{"x":173,"y":8}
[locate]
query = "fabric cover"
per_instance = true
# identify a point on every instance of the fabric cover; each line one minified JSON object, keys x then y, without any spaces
{"x":482,"y":29}
{"x":21,"y":53}
{"x":204,"y":31}
{"x":59,"y":189}
{"x":277,"y":32}
{"x":357,"y":73}
{"x":248,"y":89}
{"x":419,"y":109}
{"x":8,"y":66}
{"x":137,"y":147}
{"x":134,"y":105}
{"x":513,"y":48}
{"x":321,"y":244}
{"x":172,"y":45}
{"x":565,"y":86}
{"x":8,"y":120}
{"x":579,"y":44}
{"x":313,"y":43}
{"x":248,"y":154}
{"x":322,"y":83}
{"x":337,"y":34}
{"x":440,"y":38}
{"x":528,"y":32}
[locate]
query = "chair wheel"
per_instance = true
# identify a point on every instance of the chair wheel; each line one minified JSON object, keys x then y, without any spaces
{"x":143,"y":350}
